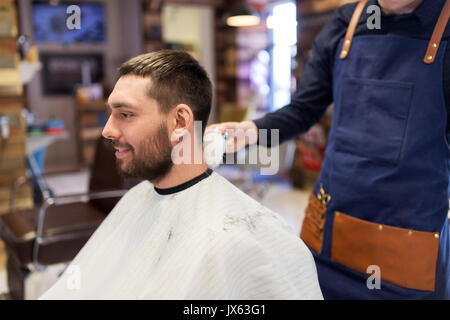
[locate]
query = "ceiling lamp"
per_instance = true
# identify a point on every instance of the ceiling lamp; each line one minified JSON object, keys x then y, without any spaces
{"x":243,"y":17}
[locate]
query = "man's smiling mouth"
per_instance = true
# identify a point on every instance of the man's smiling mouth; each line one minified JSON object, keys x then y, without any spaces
{"x":121,"y":152}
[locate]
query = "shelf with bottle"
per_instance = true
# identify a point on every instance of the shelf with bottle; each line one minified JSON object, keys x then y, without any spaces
{"x":91,"y":118}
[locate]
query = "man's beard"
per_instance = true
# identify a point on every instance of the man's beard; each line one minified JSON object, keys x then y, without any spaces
{"x":154,"y":159}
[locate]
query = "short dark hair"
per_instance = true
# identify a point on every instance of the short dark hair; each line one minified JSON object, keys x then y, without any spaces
{"x":176,"y":78}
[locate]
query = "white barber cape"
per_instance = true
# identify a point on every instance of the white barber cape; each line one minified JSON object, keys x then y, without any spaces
{"x":204,"y":239}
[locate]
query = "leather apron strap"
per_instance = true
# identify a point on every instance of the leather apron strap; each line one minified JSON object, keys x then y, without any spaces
{"x":352,"y":27}
{"x":439,"y":29}
{"x":435,"y":38}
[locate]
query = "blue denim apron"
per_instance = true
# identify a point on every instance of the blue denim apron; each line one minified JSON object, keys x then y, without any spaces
{"x":387,"y":159}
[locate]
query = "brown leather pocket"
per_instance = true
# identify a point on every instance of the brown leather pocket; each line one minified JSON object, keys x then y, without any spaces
{"x":406,"y":257}
{"x":313,"y":223}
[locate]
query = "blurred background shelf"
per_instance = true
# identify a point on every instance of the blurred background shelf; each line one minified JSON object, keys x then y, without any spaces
{"x":91,"y":118}
{"x":12,"y":101}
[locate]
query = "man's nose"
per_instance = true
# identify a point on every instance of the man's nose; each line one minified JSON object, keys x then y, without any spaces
{"x":111,"y":131}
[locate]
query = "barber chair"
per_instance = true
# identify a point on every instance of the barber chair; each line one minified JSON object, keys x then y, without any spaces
{"x":54,"y":231}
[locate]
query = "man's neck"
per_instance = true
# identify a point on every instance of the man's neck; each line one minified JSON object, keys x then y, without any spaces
{"x":179,"y":174}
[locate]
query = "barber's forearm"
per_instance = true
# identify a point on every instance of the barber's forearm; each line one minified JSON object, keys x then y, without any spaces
{"x":290,"y":121}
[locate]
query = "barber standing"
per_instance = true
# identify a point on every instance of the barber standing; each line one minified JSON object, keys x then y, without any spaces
{"x":376,"y":221}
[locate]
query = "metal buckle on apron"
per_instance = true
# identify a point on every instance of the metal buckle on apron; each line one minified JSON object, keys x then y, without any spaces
{"x":323,"y":197}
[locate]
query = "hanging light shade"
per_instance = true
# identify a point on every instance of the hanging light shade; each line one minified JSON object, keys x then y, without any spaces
{"x":242,"y":17}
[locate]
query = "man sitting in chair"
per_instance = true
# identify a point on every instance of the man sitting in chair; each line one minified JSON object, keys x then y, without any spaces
{"x":185,"y":232}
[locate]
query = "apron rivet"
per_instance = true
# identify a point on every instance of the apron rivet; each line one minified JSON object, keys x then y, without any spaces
{"x":409,"y":232}
{"x":436,"y":235}
{"x":380,"y":227}
{"x":347,"y":41}
{"x":430,"y":58}
{"x":337,"y":214}
{"x":344,"y":52}
{"x":434,"y":45}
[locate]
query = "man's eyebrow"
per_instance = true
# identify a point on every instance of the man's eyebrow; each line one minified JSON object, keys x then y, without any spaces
{"x":117,"y":105}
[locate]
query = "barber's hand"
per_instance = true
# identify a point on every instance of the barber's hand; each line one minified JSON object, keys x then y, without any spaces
{"x":240,"y":134}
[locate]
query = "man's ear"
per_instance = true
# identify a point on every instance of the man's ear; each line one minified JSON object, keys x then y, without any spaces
{"x":182,"y":119}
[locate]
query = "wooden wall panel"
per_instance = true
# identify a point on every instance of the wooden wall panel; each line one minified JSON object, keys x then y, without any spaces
{"x":8,"y":45}
{"x":12,"y":150}
{"x":8,"y":19}
{"x":13,"y":155}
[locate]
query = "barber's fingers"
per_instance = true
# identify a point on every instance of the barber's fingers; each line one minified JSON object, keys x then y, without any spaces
{"x":222,"y":127}
{"x":243,"y":136}
{"x":247,"y":126}
{"x":235,"y":143}
{"x":239,"y":134}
